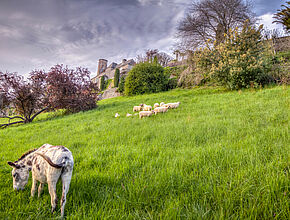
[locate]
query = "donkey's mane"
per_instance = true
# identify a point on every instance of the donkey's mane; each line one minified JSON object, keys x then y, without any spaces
{"x":25,"y":154}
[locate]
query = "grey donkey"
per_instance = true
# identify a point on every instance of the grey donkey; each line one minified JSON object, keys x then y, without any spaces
{"x":48,"y":164}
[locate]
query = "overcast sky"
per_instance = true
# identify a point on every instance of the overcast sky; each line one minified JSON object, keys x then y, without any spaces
{"x":37,"y":34}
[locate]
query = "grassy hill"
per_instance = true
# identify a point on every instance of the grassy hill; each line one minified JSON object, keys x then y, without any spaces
{"x":219,"y":155}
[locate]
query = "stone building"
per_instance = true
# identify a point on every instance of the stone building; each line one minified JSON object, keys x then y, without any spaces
{"x":109,"y":71}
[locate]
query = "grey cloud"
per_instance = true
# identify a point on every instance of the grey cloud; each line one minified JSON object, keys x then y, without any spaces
{"x":38,"y":34}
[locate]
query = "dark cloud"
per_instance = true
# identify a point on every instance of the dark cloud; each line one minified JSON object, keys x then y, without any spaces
{"x":38,"y":34}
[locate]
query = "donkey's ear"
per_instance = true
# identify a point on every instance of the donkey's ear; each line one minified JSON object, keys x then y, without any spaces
{"x":13,"y":164}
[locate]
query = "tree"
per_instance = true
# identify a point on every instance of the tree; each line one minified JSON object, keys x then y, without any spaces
{"x":122,"y":85}
{"x":211,"y":19}
{"x":146,"y":78}
{"x":116,"y":77}
{"x":71,"y":89}
{"x":24,"y":97}
{"x":162,"y":58}
{"x":102,"y":86}
{"x":60,"y":88}
{"x":283,"y":16}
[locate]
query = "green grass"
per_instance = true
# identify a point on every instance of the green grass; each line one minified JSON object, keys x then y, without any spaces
{"x":220,"y":155}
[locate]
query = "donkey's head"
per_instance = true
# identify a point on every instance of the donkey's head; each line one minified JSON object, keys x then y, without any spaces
{"x":20,"y":174}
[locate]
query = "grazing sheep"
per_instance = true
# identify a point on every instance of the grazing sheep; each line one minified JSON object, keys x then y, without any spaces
{"x":160,"y":110}
{"x":128,"y":115}
{"x":161,"y":103}
{"x":156,"y":105}
{"x":117,"y":115}
{"x":145,"y":114}
{"x":147,"y":108}
{"x":48,"y":164}
{"x":173,"y":105}
{"x":137,"y":108}
{"x":165,"y":105}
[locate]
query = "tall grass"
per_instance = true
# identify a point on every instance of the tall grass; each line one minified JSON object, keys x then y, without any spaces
{"x":219,"y":155}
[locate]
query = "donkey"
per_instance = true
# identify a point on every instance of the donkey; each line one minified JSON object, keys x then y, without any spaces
{"x":47,"y":163}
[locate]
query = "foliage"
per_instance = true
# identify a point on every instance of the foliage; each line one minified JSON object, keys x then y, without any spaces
{"x":145,"y":78}
{"x":174,"y":71}
{"x":116,"y":77}
{"x":102,"y":84}
{"x":241,"y":61}
{"x":60,"y":88}
{"x":211,"y":19}
{"x":71,"y":89}
{"x":107,"y":83}
{"x":121,"y":88}
{"x":26,"y":98}
{"x":220,"y":155}
{"x":283,"y":16}
{"x":172,"y":83}
{"x":281,"y":68}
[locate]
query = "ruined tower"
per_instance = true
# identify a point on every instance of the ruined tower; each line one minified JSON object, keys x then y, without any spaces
{"x":102,"y":66}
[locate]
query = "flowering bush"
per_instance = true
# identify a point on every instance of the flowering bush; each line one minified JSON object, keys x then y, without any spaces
{"x":241,"y":61}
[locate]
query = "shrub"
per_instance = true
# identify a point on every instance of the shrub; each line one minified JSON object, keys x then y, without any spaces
{"x":172,"y":83}
{"x":146,"y":78}
{"x":174,"y":71}
{"x":121,"y":85}
{"x":116,"y":77}
{"x":241,"y":61}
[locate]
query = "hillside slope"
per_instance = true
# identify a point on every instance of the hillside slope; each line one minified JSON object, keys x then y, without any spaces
{"x":219,"y":155}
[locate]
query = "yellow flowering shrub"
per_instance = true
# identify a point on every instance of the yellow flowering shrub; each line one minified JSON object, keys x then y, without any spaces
{"x":241,"y":61}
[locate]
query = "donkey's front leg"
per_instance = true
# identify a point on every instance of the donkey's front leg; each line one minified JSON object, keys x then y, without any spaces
{"x":53,"y":196}
{"x":33,"y":188}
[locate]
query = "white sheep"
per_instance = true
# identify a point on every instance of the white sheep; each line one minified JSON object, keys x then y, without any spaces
{"x":145,"y":114}
{"x":161,"y":103}
{"x":165,"y":105}
{"x":156,"y":105}
{"x":160,"y":110}
{"x":117,"y":115}
{"x":128,"y":115}
{"x":147,"y":108}
{"x":137,"y":108}
{"x":173,"y":105}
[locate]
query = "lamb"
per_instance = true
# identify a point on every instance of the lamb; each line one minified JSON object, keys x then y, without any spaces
{"x":156,"y":105}
{"x":160,"y":110}
{"x":145,"y":114}
{"x":137,"y":108}
{"x":128,"y":115}
{"x":48,"y":164}
{"x":117,"y":115}
{"x":173,"y":105}
{"x":147,"y":108}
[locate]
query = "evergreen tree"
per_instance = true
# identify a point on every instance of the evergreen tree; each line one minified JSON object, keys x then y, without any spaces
{"x":121,"y":85}
{"x":102,"y":83}
{"x":116,"y":77}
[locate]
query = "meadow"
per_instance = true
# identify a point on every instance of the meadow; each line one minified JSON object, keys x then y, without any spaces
{"x":220,"y":155}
